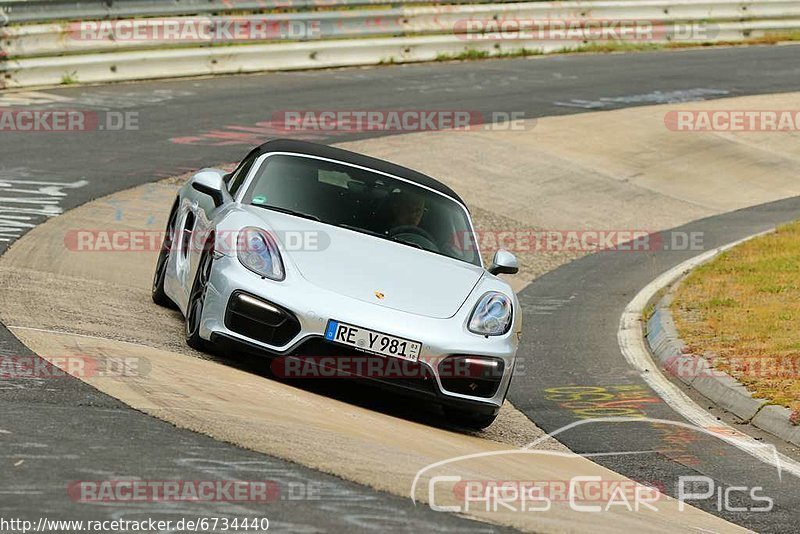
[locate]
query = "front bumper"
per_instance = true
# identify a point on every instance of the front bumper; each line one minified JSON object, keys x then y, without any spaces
{"x":307,"y":309}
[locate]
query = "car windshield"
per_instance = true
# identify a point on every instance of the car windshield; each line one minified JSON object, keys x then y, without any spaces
{"x":364,"y":201}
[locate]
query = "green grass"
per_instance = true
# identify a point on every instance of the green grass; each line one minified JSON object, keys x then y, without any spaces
{"x":742,"y":310}
{"x":468,"y":54}
{"x":69,"y":78}
{"x":473,"y":54}
{"x":608,"y":47}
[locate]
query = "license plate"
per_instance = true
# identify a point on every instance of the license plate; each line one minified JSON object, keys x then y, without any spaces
{"x":371,"y":341}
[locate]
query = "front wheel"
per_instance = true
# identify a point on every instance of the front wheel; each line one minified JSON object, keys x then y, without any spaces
{"x":465,"y":418}
{"x":197,"y":298}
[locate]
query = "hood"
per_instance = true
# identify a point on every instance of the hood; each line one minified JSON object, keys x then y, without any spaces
{"x":359,"y":266}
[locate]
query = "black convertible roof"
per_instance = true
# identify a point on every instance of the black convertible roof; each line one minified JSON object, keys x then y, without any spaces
{"x":345,"y":156}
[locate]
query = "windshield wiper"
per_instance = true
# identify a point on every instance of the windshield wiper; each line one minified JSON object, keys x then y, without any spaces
{"x":409,"y":243}
{"x":288,"y":211}
{"x":362,"y":230}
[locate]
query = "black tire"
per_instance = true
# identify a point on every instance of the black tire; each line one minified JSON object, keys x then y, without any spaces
{"x":470,"y":420}
{"x":197,"y":297}
{"x":157,"y":293}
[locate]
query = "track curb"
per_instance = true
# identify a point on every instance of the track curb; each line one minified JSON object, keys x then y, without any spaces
{"x":696,"y":372}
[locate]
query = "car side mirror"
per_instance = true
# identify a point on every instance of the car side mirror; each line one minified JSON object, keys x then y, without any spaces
{"x":210,"y":182}
{"x":504,"y":262}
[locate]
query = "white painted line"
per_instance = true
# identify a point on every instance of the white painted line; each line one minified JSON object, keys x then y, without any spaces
{"x":633,"y":346}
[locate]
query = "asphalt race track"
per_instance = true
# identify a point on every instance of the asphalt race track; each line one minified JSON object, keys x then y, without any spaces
{"x":573,"y":317}
{"x":65,"y":431}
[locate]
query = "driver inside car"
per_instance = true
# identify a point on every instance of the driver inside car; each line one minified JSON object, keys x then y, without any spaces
{"x":405,"y":209}
{"x":404,"y":212}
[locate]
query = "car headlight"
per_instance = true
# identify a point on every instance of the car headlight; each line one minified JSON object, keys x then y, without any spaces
{"x":258,"y":252}
{"x":492,"y":315}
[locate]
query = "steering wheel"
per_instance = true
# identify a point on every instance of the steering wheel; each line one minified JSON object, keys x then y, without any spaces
{"x":430,"y":242}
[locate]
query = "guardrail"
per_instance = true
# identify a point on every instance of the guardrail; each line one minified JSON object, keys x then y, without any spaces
{"x":347,"y":33}
{"x":23,"y":11}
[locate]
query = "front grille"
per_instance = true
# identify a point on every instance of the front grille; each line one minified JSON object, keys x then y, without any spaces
{"x":260,"y":320}
{"x":346,"y":361}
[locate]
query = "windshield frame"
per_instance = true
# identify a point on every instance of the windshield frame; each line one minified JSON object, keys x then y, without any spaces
{"x":261,"y":161}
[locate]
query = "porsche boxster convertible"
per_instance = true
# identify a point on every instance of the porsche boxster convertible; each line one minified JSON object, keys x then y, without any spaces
{"x":312,"y":254}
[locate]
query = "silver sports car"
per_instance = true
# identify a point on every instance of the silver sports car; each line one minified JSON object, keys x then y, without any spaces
{"x":336,"y":265}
